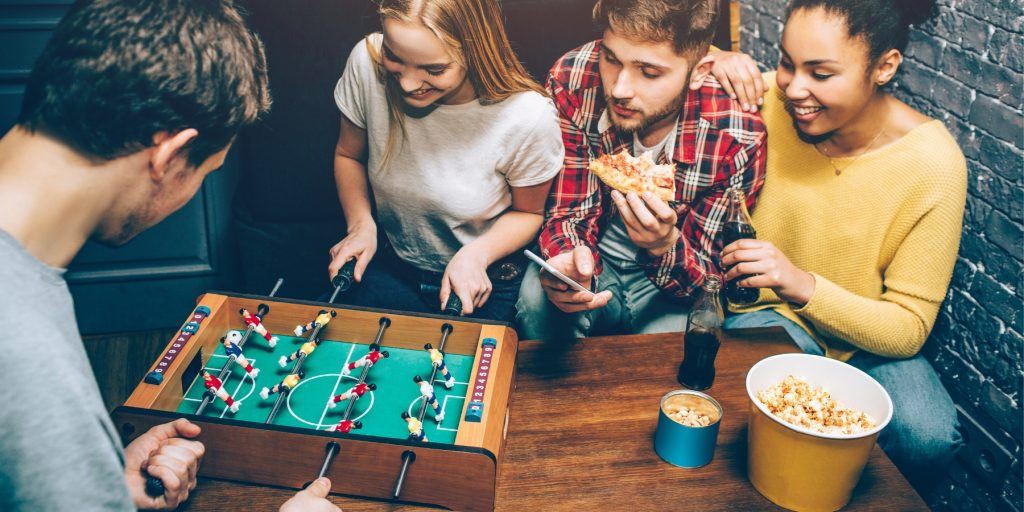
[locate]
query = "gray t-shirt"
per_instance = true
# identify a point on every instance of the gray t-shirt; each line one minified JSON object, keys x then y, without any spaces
{"x":58,"y":447}
{"x":446,"y":183}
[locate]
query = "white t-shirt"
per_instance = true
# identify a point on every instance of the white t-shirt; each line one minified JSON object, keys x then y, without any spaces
{"x":446,"y":183}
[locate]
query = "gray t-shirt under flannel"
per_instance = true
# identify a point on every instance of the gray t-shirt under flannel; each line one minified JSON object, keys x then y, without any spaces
{"x":58,"y":448}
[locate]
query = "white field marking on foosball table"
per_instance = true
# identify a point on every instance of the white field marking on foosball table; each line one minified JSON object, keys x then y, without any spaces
{"x":335,"y":390}
{"x":238,"y":387}
{"x":444,"y":407}
{"x":288,"y":400}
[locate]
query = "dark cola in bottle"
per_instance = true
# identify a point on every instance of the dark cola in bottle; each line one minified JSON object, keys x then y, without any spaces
{"x":703,"y":337}
{"x":738,"y":226}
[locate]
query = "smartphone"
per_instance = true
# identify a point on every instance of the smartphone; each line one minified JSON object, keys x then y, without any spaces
{"x":553,"y":271}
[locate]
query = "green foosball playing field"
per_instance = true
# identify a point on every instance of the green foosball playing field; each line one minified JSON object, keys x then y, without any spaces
{"x":306,"y":406}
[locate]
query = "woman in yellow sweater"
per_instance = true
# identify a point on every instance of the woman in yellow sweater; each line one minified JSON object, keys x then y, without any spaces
{"x":860,"y":217}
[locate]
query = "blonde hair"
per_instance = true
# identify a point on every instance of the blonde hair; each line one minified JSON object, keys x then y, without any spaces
{"x":474,"y":31}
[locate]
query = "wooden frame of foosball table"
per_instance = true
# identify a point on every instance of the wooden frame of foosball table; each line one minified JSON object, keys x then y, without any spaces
{"x":459,"y":476}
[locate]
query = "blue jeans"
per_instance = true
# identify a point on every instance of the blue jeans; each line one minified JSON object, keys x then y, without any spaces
{"x":391,"y":283}
{"x":637,"y":306}
{"x":922,"y":437}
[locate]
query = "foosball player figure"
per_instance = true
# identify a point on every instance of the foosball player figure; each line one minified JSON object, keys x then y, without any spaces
{"x":305,"y":350}
{"x":346,"y":426}
{"x":416,"y":432}
{"x":216,"y":388}
{"x":257,"y":325}
{"x":322,"y":319}
{"x":437,"y":359}
{"x":355,"y":391}
{"x":427,"y":390}
{"x":369,"y":359}
{"x":231,"y":348}
{"x":287,"y":384}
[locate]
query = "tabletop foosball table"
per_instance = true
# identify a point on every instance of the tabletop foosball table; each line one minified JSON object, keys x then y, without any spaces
{"x":386,"y":404}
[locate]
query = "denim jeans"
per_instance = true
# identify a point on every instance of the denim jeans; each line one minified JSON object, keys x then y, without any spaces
{"x":390,"y":283}
{"x":636,"y":307}
{"x":922,"y":437}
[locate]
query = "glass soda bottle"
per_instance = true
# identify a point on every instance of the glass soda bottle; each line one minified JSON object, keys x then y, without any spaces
{"x":738,"y":226}
{"x":703,"y":337}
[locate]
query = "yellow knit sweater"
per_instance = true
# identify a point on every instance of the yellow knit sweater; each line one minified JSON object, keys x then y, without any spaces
{"x":880,"y":240}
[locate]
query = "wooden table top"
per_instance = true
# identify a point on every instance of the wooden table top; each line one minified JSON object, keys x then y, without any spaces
{"x":581,"y":432}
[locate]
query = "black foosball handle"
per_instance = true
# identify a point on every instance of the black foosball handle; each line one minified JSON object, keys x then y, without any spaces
{"x":154,"y":486}
{"x":346,"y":276}
{"x":453,"y":307}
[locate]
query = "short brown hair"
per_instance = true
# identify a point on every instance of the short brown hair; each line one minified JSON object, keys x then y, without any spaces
{"x":688,"y":25}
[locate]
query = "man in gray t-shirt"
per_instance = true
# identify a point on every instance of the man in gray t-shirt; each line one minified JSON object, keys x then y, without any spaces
{"x":128,"y":108}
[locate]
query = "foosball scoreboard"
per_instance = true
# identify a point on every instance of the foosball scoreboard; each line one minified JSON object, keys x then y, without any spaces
{"x":386,"y":404}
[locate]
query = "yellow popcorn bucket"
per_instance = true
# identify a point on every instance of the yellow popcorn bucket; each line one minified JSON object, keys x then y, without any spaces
{"x":800,"y":469}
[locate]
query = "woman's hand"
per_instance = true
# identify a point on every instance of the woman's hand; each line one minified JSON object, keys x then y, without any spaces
{"x":466,"y":277}
{"x":741,"y":79}
{"x":767,"y":267}
{"x":361,"y":244}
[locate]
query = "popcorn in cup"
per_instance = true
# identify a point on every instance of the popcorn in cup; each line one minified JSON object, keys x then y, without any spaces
{"x":687,"y":428}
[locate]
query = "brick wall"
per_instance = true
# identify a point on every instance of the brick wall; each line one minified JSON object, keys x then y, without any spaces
{"x":965,"y":67}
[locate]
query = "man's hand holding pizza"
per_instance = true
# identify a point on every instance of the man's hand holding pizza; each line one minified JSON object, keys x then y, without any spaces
{"x":577,"y":265}
{"x":650,"y":222}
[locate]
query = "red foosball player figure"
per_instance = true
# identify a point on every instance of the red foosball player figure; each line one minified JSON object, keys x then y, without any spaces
{"x":346,"y":426}
{"x":305,"y":350}
{"x":427,"y":390}
{"x":231,"y":348}
{"x":416,"y":432}
{"x":288,"y":384}
{"x":355,"y":391}
{"x":215,"y":387}
{"x":321,"y":320}
{"x":369,"y":359}
{"x":437,"y":359}
{"x":253,"y":320}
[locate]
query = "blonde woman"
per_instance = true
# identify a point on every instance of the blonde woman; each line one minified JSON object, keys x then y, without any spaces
{"x":458,"y":146}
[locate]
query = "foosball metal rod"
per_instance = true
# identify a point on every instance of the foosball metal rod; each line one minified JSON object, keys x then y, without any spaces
{"x":277,"y":405}
{"x":384,"y":323}
{"x":261,"y":311}
{"x":284,"y":392}
{"x":409,"y":456}
{"x":332,"y":450}
{"x":446,"y":329}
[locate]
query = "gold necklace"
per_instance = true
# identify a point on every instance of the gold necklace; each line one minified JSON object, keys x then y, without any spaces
{"x":833,"y":163}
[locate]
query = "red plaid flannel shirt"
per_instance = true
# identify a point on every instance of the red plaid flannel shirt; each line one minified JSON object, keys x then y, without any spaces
{"x":718,"y":147}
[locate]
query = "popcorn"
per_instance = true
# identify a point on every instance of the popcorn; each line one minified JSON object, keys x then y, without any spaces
{"x":796,"y":402}
{"x":688,"y":417}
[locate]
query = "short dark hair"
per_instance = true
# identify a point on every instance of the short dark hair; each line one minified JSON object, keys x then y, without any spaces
{"x":116,"y":72}
{"x":883,"y":24}
{"x":689,"y":25}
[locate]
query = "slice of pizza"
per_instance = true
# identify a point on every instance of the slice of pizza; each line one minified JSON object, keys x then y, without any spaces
{"x":628,"y":173}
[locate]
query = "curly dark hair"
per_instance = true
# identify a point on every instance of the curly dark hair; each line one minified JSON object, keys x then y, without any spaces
{"x":116,"y":72}
{"x":883,"y":24}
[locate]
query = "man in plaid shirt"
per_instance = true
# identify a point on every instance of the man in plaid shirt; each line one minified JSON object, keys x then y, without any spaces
{"x":644,"y":86}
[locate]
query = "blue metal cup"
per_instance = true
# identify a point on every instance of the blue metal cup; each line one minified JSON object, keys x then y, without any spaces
{"x":681,"y":445}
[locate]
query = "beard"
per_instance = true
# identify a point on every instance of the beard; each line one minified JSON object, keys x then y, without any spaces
{"x":646,"y":120}
{"x":123,"y":231}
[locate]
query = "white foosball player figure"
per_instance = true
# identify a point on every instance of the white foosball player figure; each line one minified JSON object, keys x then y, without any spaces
{"x":427,"y":390}
{"x":231,"y":348}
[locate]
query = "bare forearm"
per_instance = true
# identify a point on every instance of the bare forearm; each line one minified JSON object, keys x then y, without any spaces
{"x":512,"y":231}
{"x":353,"y":190}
